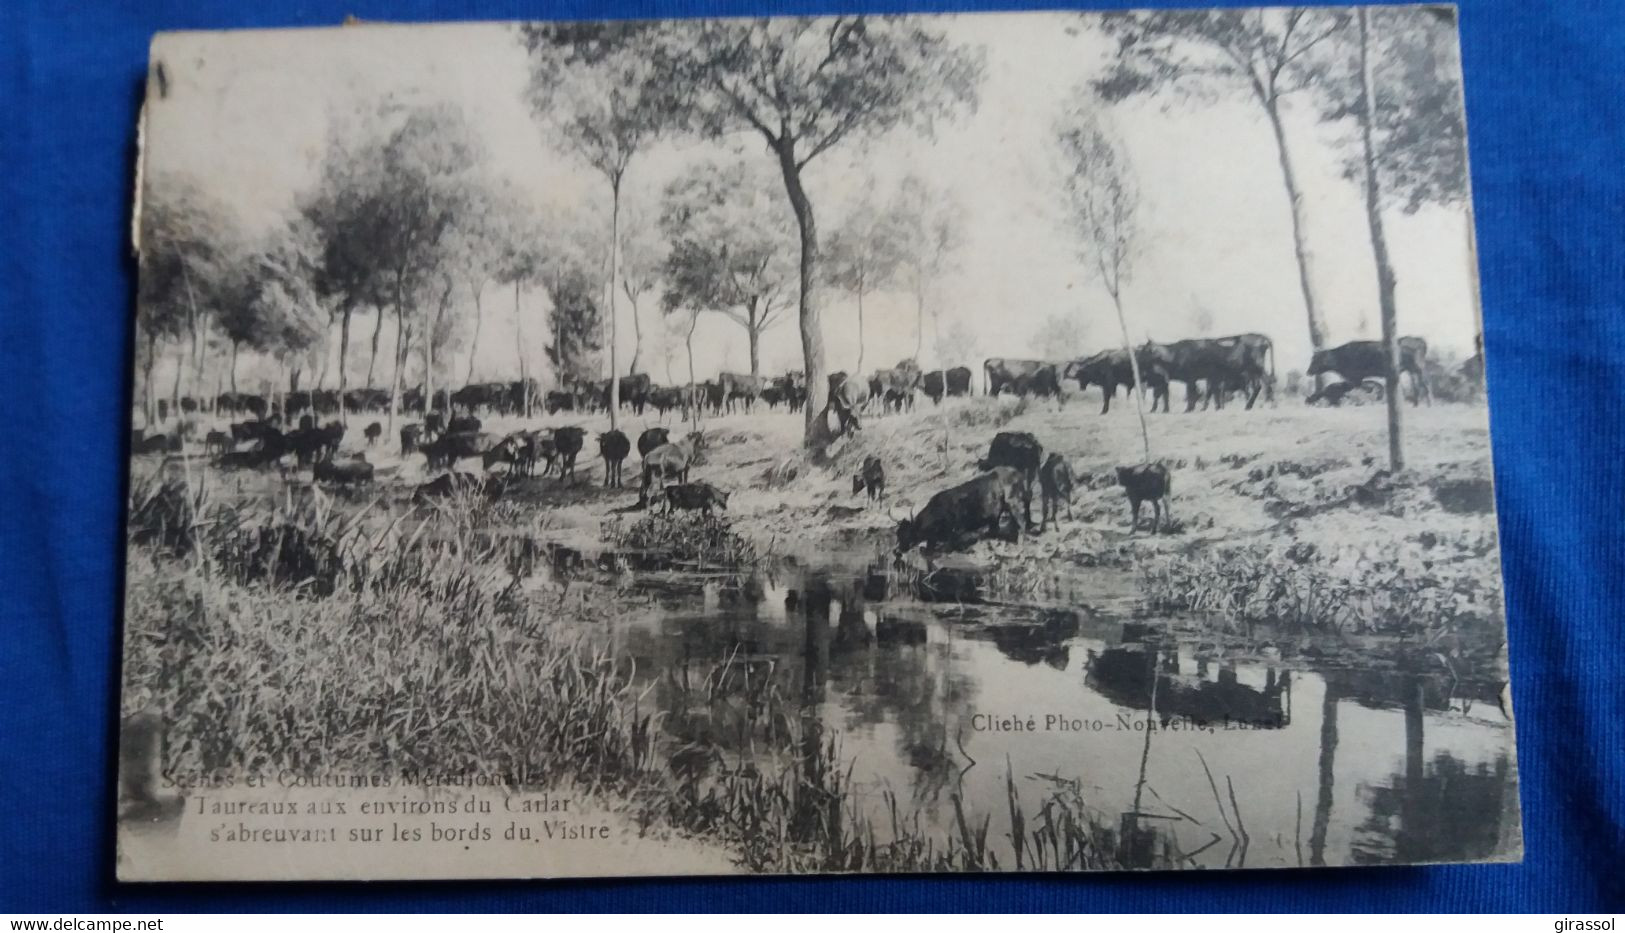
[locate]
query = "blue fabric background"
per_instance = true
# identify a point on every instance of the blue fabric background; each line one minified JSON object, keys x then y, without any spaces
{"x":1546,"y":106}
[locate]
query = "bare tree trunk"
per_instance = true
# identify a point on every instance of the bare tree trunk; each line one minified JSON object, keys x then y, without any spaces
{"x":372,"y":360}
{"x":234,"y":367}
{"x":344,"y":354}
{"x":519,"y":347}
{"x":175,"y":390}
{"x":693,"y":387}
{"x":1134,"y":367}
{"x":1300,"y":246}
{"x":753,"y":333}
{"x":812,"y":332}
{"x":474,"y":338}
{"x":400,"y":353}
{"x":1379,"y":246}
{"x":614,"y":272}
{"x":858,"y":370}
{"x":637,"y":334}
{"x":919,"y":319}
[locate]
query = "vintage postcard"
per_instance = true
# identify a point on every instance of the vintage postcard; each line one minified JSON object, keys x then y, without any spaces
{"x":1005,"y":442}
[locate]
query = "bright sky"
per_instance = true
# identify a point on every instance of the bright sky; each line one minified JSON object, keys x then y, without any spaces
{"x":247,"y":114}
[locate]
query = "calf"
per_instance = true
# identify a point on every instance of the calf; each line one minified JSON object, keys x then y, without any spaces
{"x":701,"y":496}
{"x":1019,"y":451}
{"x":450,"y":447}
{"x":217,"y":442}
{"x":872,"y":478}
{"x":1055,"y":483}
{"x":613,"y":446}
{"x":342,"y":472}
{"x":373,"y":432}
{"x":1147,"y":482}
{"x":567,"y":443}
{"x":411,"y":438}
{"x":967,"y":512}
{"x":670,"y":461}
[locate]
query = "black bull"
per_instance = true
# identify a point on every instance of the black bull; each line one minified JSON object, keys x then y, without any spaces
{"x":1024,"y":377}
{"x":962,"y":514}
{"x":1245,"y":361}
{"x":1359,"y":360}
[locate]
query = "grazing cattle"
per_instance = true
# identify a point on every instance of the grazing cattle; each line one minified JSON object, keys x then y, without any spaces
{"x":1219,"y":363}
{"x":650,"y":439}
{"x":567,"y":443}
{"x":967,"y":512}
{"x":895,"y":387}
{"x":665,"y":399}
{"x":434,"y":424}
{"x":310,"y":444}
{"x":1359,"y":360}
{"x":266,"y":451}
{"x":739,"y":389}
{"x":635,"y":391}
{"x":459,"y":484}
{"x":1019,"y":451}
{"x":934,"y":385}
{"x":216,"y":442}
{"x":559,"y":401}
{"x":411,"y":438}
{"x":958,"y":380}
{"x":670,"y":461}
{"x":1022,"y":377}
{"x":1055,"y":484}
{"x":251,"y":431}
{"x":342,"y":472}
{"x":792,"y":387}
{"x":613,"y":446}
{"x":509,"y":450}
{"x":1111,"y":368}
{"x":871,"y":478}
{"x":1147,"y":482}
{"x":691,"y":496}
{"x":844,"y":399}
{"x":452,"y":446}
{"x":372,"y":432}
{"x":463,"y":425}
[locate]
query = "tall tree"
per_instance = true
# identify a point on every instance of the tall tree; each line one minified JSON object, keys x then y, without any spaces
{"x":806,"y":86}
{"x":924,"y":222}
{"x":1399,"y":90}
{"x":863,"y":253}
{"x":1101,"y":199}
{"x":605,"y":101}
{"x":188,"y":246}
{"x":731,"y":234}
{"x":1379,"y":242}
{"x":385,"y":209}
{"x":1261,"y":55}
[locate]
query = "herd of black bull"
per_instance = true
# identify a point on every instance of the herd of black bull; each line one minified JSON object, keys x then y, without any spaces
{"x":998,"y":501}
{"x":1210,"y":368}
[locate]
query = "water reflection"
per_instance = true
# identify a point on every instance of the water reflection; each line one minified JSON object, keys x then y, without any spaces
{"x":1191,"y":757}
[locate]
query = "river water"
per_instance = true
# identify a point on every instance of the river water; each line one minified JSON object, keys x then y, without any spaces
{"x":937,"y":683}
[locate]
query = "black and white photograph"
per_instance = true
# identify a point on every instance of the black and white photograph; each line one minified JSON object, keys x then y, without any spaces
{"x":1027,"y":442}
